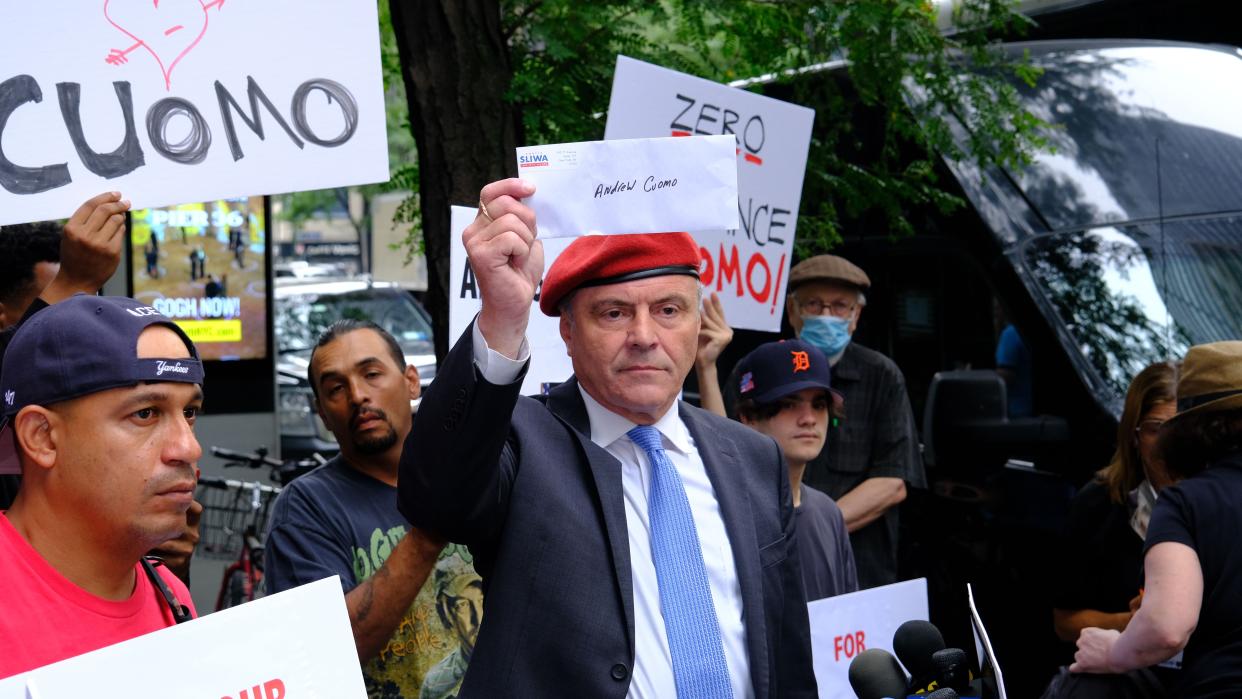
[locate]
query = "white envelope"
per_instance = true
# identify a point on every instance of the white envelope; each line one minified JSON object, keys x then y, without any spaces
{"x":641,"y":185}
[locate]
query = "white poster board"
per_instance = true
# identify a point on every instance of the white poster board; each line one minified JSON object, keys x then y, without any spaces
{"x":845,"y":625}
{"x":749,"y":266}
{"x":549,"y":364}
{"x":989,"y":668}
{"x":186,"y":100}
{"x":293,"y":645}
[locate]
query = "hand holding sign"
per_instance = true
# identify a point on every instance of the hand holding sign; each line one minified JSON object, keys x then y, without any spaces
{"x":90,"y":249}
{"x":507,"y":261}
{"x":714,"y":333}
{"x":714,"y":336}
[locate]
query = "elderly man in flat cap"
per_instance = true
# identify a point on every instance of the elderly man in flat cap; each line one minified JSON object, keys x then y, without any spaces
{"x":873,"y":454}
{"x":630,"y":545}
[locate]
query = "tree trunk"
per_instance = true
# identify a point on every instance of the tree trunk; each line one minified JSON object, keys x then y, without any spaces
{"x":456,"y":68}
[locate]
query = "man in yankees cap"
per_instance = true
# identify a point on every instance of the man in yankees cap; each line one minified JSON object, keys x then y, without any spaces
{"x":630,"y":545}
{"x":100,"y":396}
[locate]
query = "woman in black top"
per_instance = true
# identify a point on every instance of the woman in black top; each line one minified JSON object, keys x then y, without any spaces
{"x":1193,"y":552}
{"x":1100,"y":581}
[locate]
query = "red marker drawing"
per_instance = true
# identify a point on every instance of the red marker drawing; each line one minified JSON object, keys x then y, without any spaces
{"x":167,"y":29}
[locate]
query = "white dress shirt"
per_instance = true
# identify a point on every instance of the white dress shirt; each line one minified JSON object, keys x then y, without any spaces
{"x":652,"y":676}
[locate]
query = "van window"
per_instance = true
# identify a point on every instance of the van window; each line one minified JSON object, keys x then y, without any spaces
{"x":1132,"y":295}
{"x":1112,"y":110}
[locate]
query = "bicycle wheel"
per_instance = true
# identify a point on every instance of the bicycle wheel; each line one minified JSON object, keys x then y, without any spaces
{"x":235,"y":590}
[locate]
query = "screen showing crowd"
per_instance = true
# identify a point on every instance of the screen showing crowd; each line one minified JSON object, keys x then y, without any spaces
{"x":203,"y":265}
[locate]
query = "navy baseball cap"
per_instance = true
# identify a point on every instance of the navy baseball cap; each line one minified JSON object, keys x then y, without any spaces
{"x":777,"y":369}
{"x":82,"y":345}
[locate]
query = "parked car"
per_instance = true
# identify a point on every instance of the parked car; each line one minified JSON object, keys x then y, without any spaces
{"x":304,"y":309}
{"x":301,"y":269}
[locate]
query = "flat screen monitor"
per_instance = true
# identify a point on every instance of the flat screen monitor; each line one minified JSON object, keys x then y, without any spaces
{"x":208,"y":266}
{"x":205,"y":266}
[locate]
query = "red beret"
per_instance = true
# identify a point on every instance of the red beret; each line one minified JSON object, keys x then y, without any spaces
{"x":596,"y":260}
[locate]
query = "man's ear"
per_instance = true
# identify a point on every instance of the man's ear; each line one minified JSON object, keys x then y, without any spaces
{"x":5,"y":321}
{"x":411,"y":376}
{"x":857,"y":314}
{"x":567,"y":333}
{"x":35,"y":431}
{"x":792,"y":313}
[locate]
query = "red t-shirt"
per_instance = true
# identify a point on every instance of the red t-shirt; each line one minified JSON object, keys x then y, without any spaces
{"x":45,"y":618}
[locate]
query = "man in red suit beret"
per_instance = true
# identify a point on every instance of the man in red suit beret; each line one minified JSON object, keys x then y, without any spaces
{"x":631,"y":545}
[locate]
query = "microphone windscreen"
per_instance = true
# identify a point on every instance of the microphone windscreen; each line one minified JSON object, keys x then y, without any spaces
{"x":942,"y":693}
{"x":875,"y":674}
{"x":914,"y":643}
{"x":952,"y":668}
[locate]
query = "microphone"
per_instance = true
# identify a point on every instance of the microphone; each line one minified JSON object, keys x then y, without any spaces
{"x":915,"y":642}
{"x":943,"y":693}
{"x":875,"y":674}
{"x":952,"y":668}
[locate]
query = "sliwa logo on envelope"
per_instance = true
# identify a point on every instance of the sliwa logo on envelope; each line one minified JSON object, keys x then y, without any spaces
{"x":642,"y":185}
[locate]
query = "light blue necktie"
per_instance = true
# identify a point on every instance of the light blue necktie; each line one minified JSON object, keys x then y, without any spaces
{"x":699,"y":666}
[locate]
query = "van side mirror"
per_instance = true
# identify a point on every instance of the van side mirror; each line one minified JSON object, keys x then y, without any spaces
{"x":967,"y":429}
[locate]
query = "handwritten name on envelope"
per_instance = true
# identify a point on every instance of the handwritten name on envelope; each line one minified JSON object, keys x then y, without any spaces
{"x":641,"y":185}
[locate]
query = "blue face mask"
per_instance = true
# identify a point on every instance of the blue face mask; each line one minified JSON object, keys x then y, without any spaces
{"x":828,"y":334}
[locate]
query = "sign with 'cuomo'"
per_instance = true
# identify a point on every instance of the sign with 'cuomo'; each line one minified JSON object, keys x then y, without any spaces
{"x":186,"y":100}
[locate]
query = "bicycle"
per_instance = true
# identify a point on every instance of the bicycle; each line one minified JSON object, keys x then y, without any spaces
{"x":233,"y":507}
{"x":283,"y":472}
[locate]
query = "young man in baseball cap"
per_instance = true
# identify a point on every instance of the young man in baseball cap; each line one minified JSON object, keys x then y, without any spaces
{"x":99,"y":397}
{"x":785,"y":392}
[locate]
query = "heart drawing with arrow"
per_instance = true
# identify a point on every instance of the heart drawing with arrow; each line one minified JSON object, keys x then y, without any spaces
{"x":167,"y":29}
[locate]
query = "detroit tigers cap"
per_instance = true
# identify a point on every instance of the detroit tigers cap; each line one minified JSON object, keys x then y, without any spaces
{"x":776,"y":369}
{"x":82,"y":345}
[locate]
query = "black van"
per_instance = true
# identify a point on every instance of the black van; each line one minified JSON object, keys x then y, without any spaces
{"x":1121,"y":248}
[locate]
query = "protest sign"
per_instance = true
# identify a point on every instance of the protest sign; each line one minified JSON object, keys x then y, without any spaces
{"x":643,"y":185}
{"x":549,"y":364}
{"x":989,"y":668}
{"x":293,"y":645}
{"x":186,"y":100}
{"x":748,"y":265}
{"x":846,"y":625}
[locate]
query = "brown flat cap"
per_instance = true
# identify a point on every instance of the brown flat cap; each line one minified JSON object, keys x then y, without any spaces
{"x":828,"y":268}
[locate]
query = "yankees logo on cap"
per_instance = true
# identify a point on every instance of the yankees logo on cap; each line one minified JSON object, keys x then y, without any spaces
{"x":84,"y":345}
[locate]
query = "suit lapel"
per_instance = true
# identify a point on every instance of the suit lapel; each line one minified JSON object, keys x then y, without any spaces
{"x":565,"y":402}
{"x":728,"y":477}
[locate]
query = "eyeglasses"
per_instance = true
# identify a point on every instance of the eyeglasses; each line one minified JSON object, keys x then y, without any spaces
{"x":816,"y":307}
{"x":1148,"y":428}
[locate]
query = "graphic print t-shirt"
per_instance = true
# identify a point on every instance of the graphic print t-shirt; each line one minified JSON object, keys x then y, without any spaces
{"x":337,"y":521}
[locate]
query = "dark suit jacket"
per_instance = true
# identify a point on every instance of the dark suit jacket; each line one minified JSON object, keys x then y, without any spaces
{"x":541,"y":507}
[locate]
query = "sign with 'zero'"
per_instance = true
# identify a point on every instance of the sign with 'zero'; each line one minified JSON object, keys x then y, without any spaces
{"x":747,"y":266}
